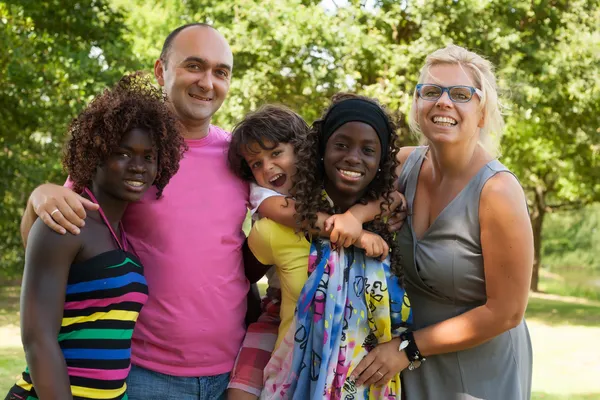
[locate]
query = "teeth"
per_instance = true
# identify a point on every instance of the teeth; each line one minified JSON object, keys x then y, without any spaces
{"x":200,"y":97}
{"x":273,"y":179}
{"x":135,"y":183}
{"x":444,"y":121}
{"x":351,"y":174}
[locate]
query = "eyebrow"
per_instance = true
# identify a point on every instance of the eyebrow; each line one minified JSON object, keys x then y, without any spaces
{"x":129,"y":148}
{"x":348,"y":136}
{"x":205,"y":62}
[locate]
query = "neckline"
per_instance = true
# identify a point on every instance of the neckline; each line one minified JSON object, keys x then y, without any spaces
{"x":121,"y":243}
{"x":201,"y":142}
{"x":413,"y":193}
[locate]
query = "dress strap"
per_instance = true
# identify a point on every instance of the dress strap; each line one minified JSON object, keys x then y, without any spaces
{"x":123,"y":242}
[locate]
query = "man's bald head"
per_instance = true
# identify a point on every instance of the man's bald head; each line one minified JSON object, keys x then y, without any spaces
{"x":168,"y":44}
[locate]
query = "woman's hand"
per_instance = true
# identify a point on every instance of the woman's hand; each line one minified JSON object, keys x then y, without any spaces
{"x":373,"y":245}
{"x":380,"y":365}
{"x":345,"y":229}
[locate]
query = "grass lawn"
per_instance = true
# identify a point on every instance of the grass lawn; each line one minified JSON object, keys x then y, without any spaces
{"x":12,"y":363}
{"x":561,"y":312}
{"x":570,"y":371}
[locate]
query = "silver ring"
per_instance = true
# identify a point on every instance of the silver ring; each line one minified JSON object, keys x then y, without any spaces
{"x":52,"y":213}
{"x":379,"y":372}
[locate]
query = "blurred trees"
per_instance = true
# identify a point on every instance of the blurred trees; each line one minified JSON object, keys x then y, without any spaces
{"x":299,"y":53}
{"x":55,"y":56}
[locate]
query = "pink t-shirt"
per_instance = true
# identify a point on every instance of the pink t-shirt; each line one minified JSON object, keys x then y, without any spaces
{"x":190,"y":243}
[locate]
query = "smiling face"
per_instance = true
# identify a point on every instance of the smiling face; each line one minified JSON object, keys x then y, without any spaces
{"x":351,"y":159}
{"x":272,"y":168}
{"x":444,"y":121}
{"x":196,"y":74}
{"x":130,"y":169}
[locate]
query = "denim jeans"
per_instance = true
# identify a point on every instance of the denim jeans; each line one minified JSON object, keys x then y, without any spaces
{"x":143,"y":384}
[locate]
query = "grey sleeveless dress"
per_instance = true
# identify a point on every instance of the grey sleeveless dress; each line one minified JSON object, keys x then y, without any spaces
{"x":444,"y":278}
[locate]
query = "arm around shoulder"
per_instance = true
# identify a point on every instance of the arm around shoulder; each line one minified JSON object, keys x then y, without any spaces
{"x":58,"y":206}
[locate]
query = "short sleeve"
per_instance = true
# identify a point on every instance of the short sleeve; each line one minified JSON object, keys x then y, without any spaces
{"x":259,"y":241}
{"x":258,"y":194}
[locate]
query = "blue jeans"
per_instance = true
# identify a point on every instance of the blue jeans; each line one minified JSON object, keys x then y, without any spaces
{"x":143,"y":384}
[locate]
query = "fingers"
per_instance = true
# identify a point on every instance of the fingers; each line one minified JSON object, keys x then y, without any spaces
{"x":44,"y":216}
{"x":397,"y":200}
{"x":77,"y":208}
{"x":329,"y":223}
{"x":369,"y":376}
{"x":396,"y":221}
{"x":386,"y":251}
{"x":386,"y":378}
{"x":347,"y":240}
{"x":66,"y":217}
{"x":88,"y":204}
{"x":335,"y":236}
{"x":362,"y":365}
{"x":378,"y":377}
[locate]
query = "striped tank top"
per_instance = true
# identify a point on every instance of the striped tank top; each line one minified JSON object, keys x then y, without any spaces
{"x":104,"y":296}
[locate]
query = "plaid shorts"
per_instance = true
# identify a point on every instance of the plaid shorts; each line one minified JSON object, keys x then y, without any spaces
{"x":259,"y":343}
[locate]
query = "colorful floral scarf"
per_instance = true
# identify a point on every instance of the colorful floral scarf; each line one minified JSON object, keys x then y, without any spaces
{"x":349,"y":304}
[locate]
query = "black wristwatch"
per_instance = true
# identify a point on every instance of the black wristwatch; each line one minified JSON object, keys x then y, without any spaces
{"x":408,"y":345}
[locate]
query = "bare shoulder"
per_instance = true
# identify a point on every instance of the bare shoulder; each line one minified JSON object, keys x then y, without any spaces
{"x":502,"y":196}
{"x":45,"y":241}
{"x":404,"y":153}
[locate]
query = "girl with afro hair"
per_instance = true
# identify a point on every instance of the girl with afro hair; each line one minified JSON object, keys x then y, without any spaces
{"x":81,"y":294}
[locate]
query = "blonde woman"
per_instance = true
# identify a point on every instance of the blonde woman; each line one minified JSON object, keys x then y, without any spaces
{"x":467,"y":247}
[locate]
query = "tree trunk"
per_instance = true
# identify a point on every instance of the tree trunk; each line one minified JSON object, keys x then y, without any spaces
{"x":538,"y":213}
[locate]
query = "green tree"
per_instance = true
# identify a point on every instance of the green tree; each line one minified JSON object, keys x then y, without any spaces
{"x":56,"y":56}
{"x":299,"y":53}
{"x":547,"y":58}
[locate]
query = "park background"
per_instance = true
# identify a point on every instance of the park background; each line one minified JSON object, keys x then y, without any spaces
{"x":56,"y":55}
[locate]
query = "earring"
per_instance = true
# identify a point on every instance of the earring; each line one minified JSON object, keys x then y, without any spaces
{"x":379,"y":170}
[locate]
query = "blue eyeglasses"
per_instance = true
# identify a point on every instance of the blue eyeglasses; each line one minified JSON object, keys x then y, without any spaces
{"x":458,"y":94}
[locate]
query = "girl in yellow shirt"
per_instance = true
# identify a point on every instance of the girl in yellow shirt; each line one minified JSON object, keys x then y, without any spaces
{"x":263,"y":152}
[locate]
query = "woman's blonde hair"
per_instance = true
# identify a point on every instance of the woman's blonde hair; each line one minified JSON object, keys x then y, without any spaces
{"x":482,"y":72}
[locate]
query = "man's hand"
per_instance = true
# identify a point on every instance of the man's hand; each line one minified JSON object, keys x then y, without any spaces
{"x":345,"y":229}
{"x":373,"y":245}
{"x":60,"y":208}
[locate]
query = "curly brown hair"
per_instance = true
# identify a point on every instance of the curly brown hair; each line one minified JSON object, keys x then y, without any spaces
{"x":310,"y":176}
{"x":132,"y":103}
{"x":272,"y":124}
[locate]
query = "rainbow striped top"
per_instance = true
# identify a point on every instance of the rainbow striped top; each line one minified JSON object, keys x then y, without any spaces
{"x":103,"y":299}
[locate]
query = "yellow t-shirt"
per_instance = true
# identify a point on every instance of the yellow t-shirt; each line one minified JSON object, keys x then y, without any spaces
{"x":279,"y":245}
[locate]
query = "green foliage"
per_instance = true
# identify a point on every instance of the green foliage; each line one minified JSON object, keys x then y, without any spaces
{"x":299,"y":53}
{"x":572,"y":240}
{"x":56,"y":56}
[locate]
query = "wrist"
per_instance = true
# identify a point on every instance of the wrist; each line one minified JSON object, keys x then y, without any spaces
{"x":409,"y":347}
{"x":356,"y":215}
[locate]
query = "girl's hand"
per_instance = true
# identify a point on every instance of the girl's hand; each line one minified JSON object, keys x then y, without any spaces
{"x":380,"y":365}
{"x":397,"y":213}
{"x":373,"y":245}
{"x":345,"y":229}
